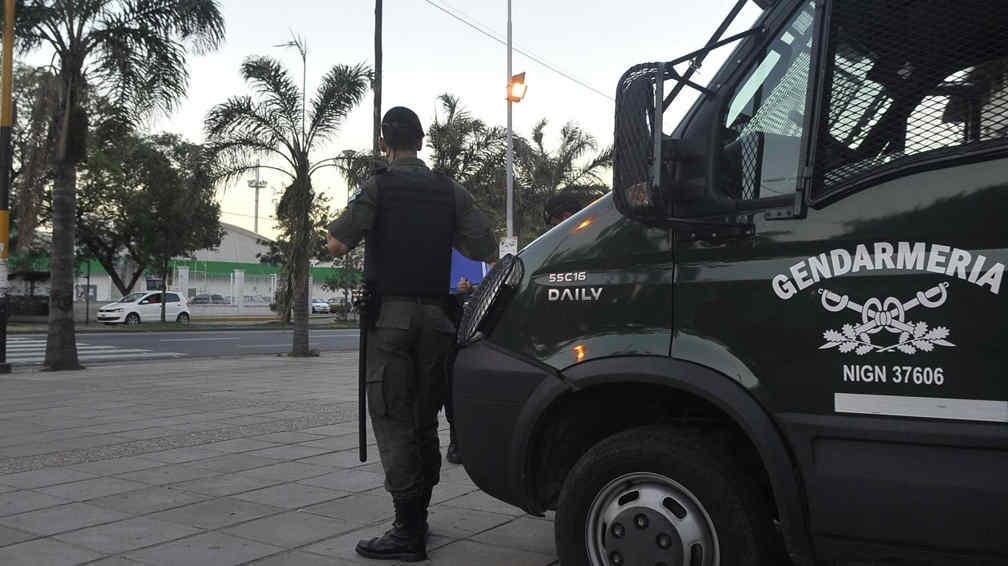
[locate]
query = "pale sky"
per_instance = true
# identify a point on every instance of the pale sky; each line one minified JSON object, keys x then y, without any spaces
{"x":427,"y":53}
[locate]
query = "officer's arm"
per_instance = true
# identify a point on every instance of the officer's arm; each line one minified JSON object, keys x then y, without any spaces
{"x":474,"y":237}
{"x":357,"y":218}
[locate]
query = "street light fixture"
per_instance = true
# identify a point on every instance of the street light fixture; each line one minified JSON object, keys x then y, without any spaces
{"x":517,"y":88}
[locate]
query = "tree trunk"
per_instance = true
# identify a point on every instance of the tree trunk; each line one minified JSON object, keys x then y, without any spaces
{"x":284,"y":300}
{"x":300,"y":238}
{"x":301,"y":345}
{"x":61,"y":345}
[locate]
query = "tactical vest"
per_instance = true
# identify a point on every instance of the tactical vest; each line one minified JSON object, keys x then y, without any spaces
{"x":409,"y":248}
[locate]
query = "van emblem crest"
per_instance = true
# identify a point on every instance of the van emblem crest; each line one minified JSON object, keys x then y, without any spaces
{"x":889,"y":315}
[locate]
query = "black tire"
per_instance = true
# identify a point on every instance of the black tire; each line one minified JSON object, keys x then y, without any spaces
{"x":132,"y":319}
{"x":183,"y":318}
{"x":734,"y":506}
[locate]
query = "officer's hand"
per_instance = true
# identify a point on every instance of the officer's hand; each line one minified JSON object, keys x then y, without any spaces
{"x":335,"y":247}
{"x":464,"y":286}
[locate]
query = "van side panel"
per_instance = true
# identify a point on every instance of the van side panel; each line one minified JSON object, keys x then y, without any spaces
{"x":885,"y":312}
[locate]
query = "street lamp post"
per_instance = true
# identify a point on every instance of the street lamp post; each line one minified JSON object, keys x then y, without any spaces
{"x":257,"y":185}
{"x":299,"y":44}
{"x":510,"y":136}
{"x":515,"y":92}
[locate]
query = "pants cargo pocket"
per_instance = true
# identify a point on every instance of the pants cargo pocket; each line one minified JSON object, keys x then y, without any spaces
{"x":377,"y":405}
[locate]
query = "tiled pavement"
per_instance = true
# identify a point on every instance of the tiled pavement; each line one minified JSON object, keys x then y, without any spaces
{"x":217,"y":462}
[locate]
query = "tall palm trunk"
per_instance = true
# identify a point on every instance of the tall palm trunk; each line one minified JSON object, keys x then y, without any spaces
{"x":301,"y":345}
{"x":61,"y":345}
{"x":300,"y":244}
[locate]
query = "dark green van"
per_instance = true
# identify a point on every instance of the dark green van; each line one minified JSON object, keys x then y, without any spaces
{"x":782,"y":338}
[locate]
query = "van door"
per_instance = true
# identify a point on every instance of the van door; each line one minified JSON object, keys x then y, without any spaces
{"x":873,"y":328}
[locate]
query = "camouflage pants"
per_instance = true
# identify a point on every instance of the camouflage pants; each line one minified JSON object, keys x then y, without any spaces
{"x":407,"y":353}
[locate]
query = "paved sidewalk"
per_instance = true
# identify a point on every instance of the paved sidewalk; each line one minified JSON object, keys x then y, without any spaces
{"x":217,"y":462}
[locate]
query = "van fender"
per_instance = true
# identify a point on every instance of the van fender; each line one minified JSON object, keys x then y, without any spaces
{"x":701,"y":381}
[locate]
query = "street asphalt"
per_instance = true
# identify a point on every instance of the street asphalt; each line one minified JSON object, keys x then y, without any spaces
{"x":103,"y":347}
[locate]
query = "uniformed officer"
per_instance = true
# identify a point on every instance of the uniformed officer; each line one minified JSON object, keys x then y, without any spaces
{"x":561,"y":207}
{"x":413,"y":218}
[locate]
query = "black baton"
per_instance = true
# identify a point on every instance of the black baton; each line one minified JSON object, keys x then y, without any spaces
{"x":362,"y":391}
{"x":366,"y":306}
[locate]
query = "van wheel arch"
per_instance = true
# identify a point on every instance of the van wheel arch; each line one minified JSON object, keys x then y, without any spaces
{"x":673,"y":392}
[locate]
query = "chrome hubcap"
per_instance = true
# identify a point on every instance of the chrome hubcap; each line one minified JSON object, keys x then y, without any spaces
{"x":649,"y":519}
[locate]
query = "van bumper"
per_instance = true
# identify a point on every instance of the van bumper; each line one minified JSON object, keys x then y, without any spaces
{"x":491,"y":389}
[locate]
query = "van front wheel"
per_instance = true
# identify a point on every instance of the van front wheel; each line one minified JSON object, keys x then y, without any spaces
{"x":658,"y":495}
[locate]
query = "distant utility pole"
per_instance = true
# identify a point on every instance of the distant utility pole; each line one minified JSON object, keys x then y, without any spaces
{"x":257,"y":185}
{"x":6,"y":119}
{"x":378,"y":76}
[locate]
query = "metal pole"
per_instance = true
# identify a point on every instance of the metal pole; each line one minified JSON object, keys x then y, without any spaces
{"x":87,"y":295}
{"x":255,"y":221}
{"x":376,"y":133}
{"x":304,"y":86}
{"x":6,"y":118}
{"x":510,"y":136}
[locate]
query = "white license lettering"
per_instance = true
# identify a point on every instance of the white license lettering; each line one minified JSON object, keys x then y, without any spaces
{"x":901,"y":375}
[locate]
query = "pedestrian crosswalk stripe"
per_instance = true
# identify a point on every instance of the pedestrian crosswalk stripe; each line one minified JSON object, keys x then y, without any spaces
{"x":149,"y":355}
{"x":32,"y":351}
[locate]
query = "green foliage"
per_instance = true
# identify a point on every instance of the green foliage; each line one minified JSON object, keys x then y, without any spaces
{"x":343,"y":279}
{"x":473,"y":153}
{"x":246,"y":130}
{"x":134,"y":52}
{"x":149,"y":198}
{"x":36,"y":98}
{"x":575,"y":166}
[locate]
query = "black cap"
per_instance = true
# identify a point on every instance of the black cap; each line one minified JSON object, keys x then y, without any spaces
{"x":403,"y":121}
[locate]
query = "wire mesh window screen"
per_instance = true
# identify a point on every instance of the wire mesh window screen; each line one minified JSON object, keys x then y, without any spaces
{"x":634,"y":130}
{"x":765,"y":119}
{"x":911,"y":80}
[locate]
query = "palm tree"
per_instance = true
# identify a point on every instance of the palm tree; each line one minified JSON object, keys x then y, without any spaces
{"x":542,"y":173}
{"x":471,"y":152}
{"x":355,"y":167}
{"x":134,"y":52}
{"x":245,"y":129}
{"x":36,"y":92}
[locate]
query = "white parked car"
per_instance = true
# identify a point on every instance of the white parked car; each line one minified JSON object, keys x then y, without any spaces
{"x":319,"y":306}
{"x":145,"y":307}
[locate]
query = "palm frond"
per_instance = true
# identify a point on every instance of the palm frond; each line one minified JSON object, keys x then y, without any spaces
{"x":276,"y":88}
{"x":140,"y":46}
{"x":592,"y":170}
{"x":241,"y":117}
{"x":341,"y":90}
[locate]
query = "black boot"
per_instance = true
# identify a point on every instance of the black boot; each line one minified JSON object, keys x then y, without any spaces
{"x":453,"y":456}
{"x":407,"y":540}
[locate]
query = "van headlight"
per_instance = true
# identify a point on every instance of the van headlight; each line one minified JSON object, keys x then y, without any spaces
{"x":504,"y":272}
